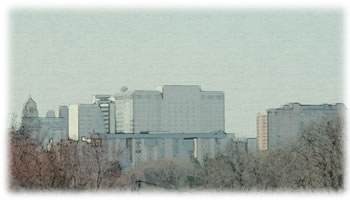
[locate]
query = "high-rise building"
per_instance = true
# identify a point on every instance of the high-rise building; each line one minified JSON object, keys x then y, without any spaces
{"x":261,"y":132}
{"x":285,"y":124}
{"x":171,"y":109}
{"x":85,"y":120}
{"x":124,"y":103}
{"x":62,"y":112}
{"x":107,"y":106}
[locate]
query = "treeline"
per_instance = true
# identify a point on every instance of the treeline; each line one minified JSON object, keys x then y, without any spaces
{"x":315,"y":162}
{"x":67,"y":165}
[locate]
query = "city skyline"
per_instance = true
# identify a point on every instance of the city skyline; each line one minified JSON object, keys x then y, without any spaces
{"x":173,"y":121}
{"x":125,"y":91}
{"x":260,"y":59}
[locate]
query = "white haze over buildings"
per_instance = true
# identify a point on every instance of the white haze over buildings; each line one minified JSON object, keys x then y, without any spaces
{"x":259,"y":58}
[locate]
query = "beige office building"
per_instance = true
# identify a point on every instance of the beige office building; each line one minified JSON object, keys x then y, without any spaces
{"x":261,"y":132}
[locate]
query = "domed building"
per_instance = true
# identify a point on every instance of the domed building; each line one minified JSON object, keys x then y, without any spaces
{"x":30,"y":109}
{"x":30,"y":118}
{"x":44,"y":129}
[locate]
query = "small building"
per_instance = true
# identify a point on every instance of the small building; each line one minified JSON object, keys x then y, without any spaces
{"x":251,"y":145}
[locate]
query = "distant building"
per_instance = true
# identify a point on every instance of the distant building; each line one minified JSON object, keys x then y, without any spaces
{"x":175,"y":121}
{"x":171,"y":109}
{"x":85,"y":120}
{"x":147,"y":108}
{"x":43,"y":129}
{"x":107,"y":106}
{"x":62,"y":112}
{"x":251,"y":145}
{"x":261,"y":132}
{"x":134,"y":149}
{"x":30,"y":117}
{"x":124,"y":102}
{"x":239,"y":145}
{"x":286,"y":123}
{"x":50,"y":113}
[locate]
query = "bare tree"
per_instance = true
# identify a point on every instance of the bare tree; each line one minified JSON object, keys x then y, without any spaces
{"x":315,"y":162}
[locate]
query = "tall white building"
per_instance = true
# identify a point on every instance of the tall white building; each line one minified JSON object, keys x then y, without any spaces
{"x":124,"y":103}
{"x":171,"y":109}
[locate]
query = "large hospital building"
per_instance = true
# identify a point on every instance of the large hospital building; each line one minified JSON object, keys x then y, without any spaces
{"x":170,"y":109}
{"x":170,"y":121}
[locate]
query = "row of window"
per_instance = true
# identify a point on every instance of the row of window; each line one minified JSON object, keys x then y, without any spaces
{"x":147,"y":96}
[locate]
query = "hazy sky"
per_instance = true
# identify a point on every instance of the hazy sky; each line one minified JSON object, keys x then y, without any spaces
{"x":260,"y":58}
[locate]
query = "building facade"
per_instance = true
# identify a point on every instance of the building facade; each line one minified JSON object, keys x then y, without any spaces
{"x":174,"y":121}
{"x":285,"y":124}
{"x":124,"y":103}
{"x":171,"y":109}
{"x":43,"y":129}
{"x":261,"y":132}
{"x":251,"y":145}
{"x":147,"y":111}
{"x":62,"y":112}
{"x":136,"y":149}
{"x":108,"y":109}
{"x":85,"y":120}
